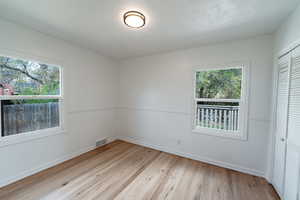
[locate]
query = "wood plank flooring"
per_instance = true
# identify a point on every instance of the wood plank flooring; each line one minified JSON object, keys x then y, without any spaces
{"x":122,"y":171}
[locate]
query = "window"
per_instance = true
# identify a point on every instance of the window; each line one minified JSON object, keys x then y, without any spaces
{"x":30,"y":97}
{"x":220,"y":102}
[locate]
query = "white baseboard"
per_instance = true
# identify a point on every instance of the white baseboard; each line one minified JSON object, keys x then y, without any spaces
{"x":268,"y":177}
{"x":193,"y":156}
{"x":64,"y":158}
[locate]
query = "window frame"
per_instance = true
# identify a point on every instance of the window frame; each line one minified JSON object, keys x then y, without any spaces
{"x":242,"y":133}
{"x":32,"y":135}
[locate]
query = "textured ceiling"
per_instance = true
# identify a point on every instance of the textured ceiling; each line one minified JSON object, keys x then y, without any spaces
{"x":171,"y":24}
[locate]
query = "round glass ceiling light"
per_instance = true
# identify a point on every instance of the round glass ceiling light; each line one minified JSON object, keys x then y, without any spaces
{"x":134,"y":19}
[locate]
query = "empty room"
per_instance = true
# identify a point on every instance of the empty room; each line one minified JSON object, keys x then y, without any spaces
{"x":137,"y":99}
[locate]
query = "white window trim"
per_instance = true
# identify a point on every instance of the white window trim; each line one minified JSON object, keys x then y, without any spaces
{"x":242,"y":134}
{"x":33,"y":135}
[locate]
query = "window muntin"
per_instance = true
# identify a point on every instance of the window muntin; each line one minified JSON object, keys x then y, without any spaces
{"x":30,"y":97}
{"x":219,"y":101}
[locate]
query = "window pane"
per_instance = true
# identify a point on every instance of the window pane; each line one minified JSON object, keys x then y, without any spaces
{"x":218,"y":115}
{"x":219,"y":84}
{"x":25,"y":77}
{"x":20,"y":116}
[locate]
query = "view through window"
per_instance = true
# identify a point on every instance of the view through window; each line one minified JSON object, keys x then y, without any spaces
{"x":30,"y":95}
{"x":217,"y":99}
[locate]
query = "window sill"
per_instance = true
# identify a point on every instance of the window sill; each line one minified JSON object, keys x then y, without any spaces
{"x":237,"y":135}
{"x":29,"y":136}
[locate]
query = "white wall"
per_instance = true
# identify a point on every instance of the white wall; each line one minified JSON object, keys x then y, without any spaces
{"x":156,"y":94}
{"x":91,"y":83}
{"x":289,"y":31}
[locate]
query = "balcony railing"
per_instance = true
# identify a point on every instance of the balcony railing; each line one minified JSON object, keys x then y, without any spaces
{"x":219,"y":117}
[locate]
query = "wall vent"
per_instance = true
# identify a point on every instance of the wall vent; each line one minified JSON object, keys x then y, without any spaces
{"x":101,"y":142}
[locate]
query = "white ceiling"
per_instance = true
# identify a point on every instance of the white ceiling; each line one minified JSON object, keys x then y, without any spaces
{"x":171,"y":24}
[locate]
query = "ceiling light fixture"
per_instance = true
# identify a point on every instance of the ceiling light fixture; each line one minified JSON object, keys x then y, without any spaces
{"x":134,"y":19}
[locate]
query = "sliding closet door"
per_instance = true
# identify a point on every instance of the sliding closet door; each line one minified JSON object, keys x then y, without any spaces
{"x":293,"y":140}
{"x":281,"y":123}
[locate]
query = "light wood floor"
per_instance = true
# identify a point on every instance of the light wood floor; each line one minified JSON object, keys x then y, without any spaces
{"x":126,"y":171}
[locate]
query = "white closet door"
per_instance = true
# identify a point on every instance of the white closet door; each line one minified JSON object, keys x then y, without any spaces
{"x":291,"y":190}
{"x":281,"y":123}
{"x":294,"y":108}
{"x":293,"y":141}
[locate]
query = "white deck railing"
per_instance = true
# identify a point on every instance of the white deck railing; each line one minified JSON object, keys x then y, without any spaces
{"x":219,"y":117}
